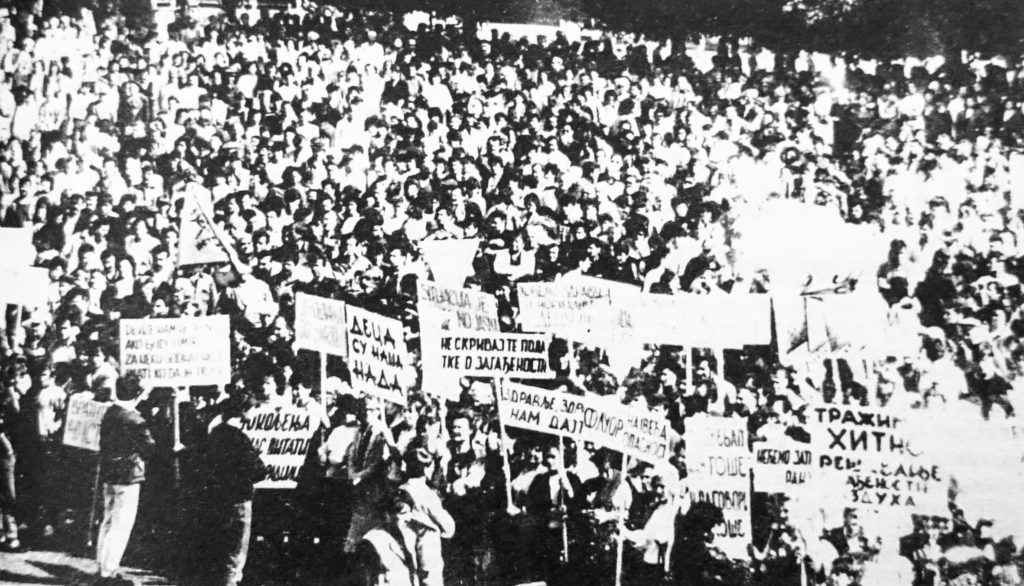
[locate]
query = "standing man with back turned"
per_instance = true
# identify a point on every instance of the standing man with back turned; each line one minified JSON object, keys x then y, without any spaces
{"x":125,"y":445}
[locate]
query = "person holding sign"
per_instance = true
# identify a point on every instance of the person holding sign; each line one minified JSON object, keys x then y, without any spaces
{"x":553,"y":493}
{"x":231,"y":467}
{"x":368,"y":459}
{"x":469,"y":497}
{"x":125,"y":446}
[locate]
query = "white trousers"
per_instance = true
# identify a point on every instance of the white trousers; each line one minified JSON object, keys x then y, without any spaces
{"x":120,"y":504}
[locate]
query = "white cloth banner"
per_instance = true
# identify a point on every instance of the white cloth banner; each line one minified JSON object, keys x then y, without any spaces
{"x":604,"y":421}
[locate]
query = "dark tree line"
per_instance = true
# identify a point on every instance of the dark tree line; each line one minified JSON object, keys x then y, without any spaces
{"x":870,"y":28}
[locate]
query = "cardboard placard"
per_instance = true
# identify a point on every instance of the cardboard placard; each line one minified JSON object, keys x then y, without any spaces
{"x":880,"y":465}
{"x":24,"y":286}
{"x":320,"y":324}
{"x":82,"y":425}
{"x":177,"y":351}
{"x":376,"y":354}
{"x":282,"y":438}
{"x":494,"y":354}
{"x":718,"y":459}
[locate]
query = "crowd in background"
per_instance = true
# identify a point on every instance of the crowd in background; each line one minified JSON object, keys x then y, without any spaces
{"x":334,"y":142}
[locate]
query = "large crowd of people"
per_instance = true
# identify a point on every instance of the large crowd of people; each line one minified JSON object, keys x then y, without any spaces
{"x":334,"y":142}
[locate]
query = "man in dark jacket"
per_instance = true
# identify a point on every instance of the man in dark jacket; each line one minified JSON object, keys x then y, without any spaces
{"x":231,"y":468}
{"x":125,"y":445}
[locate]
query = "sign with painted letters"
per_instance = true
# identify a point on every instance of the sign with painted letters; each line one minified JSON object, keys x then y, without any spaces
{"x":718,"y":461}
{"x":604,"y":421}
{"x":782,"y":465}
{"x":376,"y":354}
{"x":575,"y":307}
{"x":177,"y":351}
{"x":881,"y":467}
{"x":494,"y":354}
{"x":282,"y":438}
{"x":82,"y":425}
{"x":320,"y":324}
{"x":456,"y":309}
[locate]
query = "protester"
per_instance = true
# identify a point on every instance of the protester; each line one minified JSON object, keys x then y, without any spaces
{"x":125,"y":446}
{"x":231,"y":467}
{"x":387,"y":555}
{"x":419,"y":464}
{"x":332,"y":145}
{"x":9,"y":410}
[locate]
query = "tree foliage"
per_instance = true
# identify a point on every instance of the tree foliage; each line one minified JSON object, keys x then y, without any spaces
{"x":872,"y":28}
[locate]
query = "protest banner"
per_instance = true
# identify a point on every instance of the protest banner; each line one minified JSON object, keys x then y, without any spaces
{"x":679,"y":320}
{"x":849,"y":322}
{"x":604,"y":421}
{"x":376,"y":354}
{"x":508,"y":355}
{"x":82,"y":425}
{"x":177,"y":351}
{"x":782,"y":465}
{"x":16,"y":244}
{"x":456,"y":308}
{"x":881,"y":467}
{"x":450,"y":261}
{"x":320,"y":324}
{"x":635,"y":431}
{"x":282,"y":437}
{"x":699,"y":321}
{"x":24,"y":286}
{"x":740,"y":319}
{"x":580,"y":308}
{"x":441,"y":309}
{"x":541,"y":410}
{"x":718,"y":461}
{"x":199,"y":242}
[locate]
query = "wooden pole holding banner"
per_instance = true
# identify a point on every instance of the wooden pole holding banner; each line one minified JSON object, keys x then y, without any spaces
{"x":506,"y":467}
{"x":621,"y":522}
{"x":89,"y":541}
{"x":18,"y":310}
{"x":720,"y":362}
{"x":323,"y":393}
{"x":562,"y":504}
{"x":178,"y":446}
{"x":870,"y":382}
{"x":688,"y":352}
